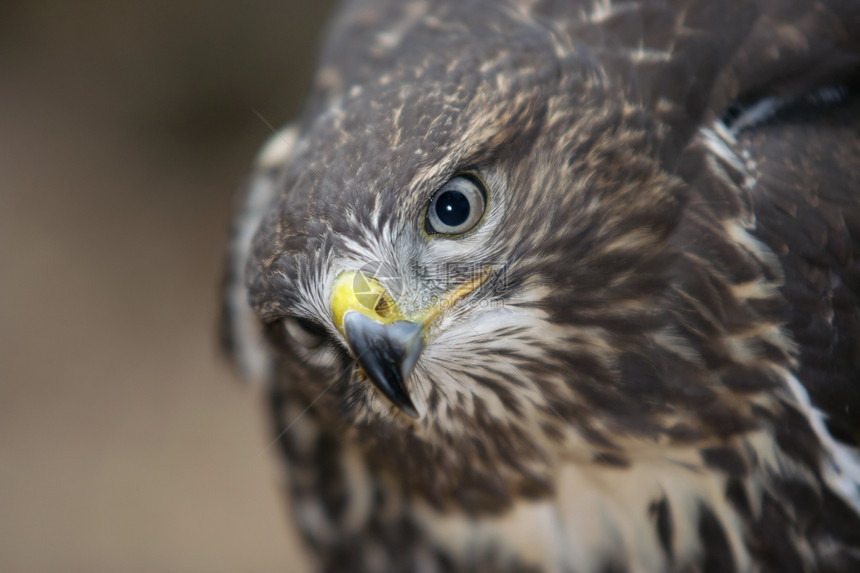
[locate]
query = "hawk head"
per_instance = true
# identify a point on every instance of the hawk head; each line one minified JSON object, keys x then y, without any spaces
{"x":475,"y":255}
{"x":496,"y":264}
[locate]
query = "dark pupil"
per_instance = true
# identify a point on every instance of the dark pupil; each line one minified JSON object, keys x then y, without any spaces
{"x":452,"y":207}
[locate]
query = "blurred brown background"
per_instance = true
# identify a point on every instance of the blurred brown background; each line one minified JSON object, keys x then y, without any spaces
{"x":125,"y":442}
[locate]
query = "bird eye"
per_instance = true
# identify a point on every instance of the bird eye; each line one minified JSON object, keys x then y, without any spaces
{"x":304,"y":332}
{"x":457,"y":207}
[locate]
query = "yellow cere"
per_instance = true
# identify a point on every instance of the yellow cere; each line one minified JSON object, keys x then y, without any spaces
{"x":354,"y":291}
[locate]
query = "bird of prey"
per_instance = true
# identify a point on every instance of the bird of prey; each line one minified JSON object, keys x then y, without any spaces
{"x":565,"y":286}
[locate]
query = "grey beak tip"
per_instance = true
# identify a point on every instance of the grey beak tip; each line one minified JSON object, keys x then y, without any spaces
{"x":409,"y":410}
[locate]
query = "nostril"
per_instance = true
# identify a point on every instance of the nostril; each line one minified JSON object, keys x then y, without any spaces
{"x":383,"y":306}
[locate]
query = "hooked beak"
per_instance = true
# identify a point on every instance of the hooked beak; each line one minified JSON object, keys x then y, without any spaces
{"x":387,"y":353}
{"x":385,"y":342}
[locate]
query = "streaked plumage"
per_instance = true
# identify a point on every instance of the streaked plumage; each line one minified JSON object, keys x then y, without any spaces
{"x":651,"y":359}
